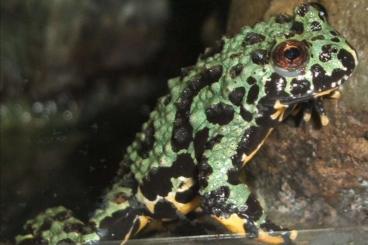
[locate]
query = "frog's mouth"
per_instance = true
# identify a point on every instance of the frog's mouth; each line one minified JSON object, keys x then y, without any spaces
{"x":285,"y":102}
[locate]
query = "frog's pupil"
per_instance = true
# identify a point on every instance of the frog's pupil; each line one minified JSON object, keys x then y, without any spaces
{"x":292,"y":53}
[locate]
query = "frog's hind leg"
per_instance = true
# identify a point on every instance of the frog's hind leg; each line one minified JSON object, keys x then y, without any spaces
{"x":249,"y":220}
{"x":228,"y":200}
{"x":122,"y":216}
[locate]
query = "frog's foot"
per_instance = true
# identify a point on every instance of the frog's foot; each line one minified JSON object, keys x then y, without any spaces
{"x":121,"y":217}
{"x":57,"y":226}
{"x":310,"y":109}
{"x":122,"y":225}
{"x":240,"y":224}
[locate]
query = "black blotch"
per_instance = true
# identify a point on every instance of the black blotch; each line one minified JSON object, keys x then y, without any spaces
{"x":210,"y":52}
{"x":302,"y":10}
{"x":182,"y":166}
{"x":118,"y":224}
{"x":334,"y":33}
{"x":289,"y":34}
{"x":335,"y":39}
{"x":188,"y":195}
{"x":316,"y":26}
{"x":254,"y":210}
{"x":74,"y":227}
{"x":253,"y":94}
{"x":200,"y":140}
{"x":251,"y":80}
{"x":326,"y":53}
{"x":215,"y":202}
{"x":213,"y":141}
{"x":182,"y":130}
{"x":220,"y":114}
{"x":307,"y":43}
{"x":250,"y":140}
{"x":319,"y":37}
{"x":235,"y":55}
{"x":164,"y":210}
{"x":236,"y":96}
{"x":204,"y":170}
{"x":253,"y":38}
{"x":299,"y":87}
{"x":297,"y":27}
{"x":145,"y":146}
{"x":282,"y":18}
{"x":275,"y":86}
{"x":323,"y":82}
{"x":347,"y":60}
{"x":233,"y":176}
{"x":236,"y":70}
{"x":46,"y":225}
{"x":246,"y":115}
{"x":62,"y":216}
{"x":260,"y":57}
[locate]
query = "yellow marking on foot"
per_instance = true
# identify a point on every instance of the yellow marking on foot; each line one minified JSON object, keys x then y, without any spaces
{"x":143,"y":221}
{"x":279,"y":114}
{"x":324,"y":120}
{"x":234,"y":223}
{"x":335,"y":95}
{"x":279,"y":105}
{"x":324,"y":92}
{"x":246,"y":158}
{"x":307,"y":116}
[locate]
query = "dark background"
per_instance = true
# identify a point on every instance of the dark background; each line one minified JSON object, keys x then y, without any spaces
{"x":78,"y":78}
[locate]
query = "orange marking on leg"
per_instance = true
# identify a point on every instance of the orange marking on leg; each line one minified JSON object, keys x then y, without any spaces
{"x":183,"y":208}
{"x":234,"y":223}
{"x":246,"y":158}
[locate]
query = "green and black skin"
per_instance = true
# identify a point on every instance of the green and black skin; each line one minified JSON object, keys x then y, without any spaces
{"x":217,"y":114}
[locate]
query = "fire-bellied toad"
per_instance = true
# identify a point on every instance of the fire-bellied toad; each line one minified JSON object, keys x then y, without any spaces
{"x":216,"y":116}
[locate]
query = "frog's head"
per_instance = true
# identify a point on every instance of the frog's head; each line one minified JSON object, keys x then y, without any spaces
{"x":308,"y":58}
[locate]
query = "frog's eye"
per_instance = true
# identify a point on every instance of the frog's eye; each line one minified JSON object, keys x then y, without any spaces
{"x":289,"y":57}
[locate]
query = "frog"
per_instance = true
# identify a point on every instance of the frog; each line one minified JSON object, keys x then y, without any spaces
{"x":191,"y":152}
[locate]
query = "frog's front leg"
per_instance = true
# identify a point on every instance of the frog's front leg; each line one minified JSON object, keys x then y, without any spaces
{"x":224,"y":197}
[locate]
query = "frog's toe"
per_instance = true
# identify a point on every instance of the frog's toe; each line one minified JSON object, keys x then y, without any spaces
{"x":55,"y":226}
{"x":285,"y":237}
